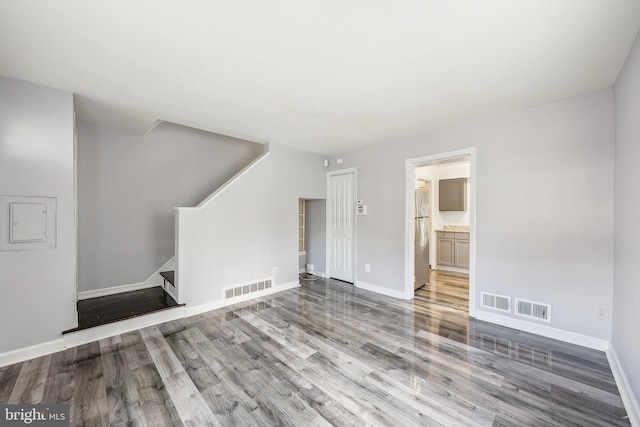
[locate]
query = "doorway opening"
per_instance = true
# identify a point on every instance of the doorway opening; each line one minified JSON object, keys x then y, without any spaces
{"x":440,"y":229}
{"x":311,"y":238}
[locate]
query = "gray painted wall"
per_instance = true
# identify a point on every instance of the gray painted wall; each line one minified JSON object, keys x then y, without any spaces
{"x":626,"y":289}
{"x":248,"y":228}
{"x":128,"y":185}
{"x":544,"y":208}
{"x":36,"y":159}
{"x":316,"y":237}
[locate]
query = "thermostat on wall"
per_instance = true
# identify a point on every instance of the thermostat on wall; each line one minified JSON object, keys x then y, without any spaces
{"x":361,"y":209}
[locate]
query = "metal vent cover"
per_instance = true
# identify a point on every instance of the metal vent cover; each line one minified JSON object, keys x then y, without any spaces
{"x":533,"y":310}
{"x":496,"y":301}
{"x":247,"y":288}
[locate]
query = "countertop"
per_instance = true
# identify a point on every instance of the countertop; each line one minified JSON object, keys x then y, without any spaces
{"x":456,"y":228}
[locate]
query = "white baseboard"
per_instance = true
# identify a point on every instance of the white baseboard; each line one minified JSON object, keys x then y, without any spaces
{"x":380,"y":290}
{"x":544,"y":330}
{"x":85,"y":336}
{"x":453,"y":269}
{"x":74,"y":339}
{"x":315,"y":273}
{"x":624,"y":386}
{"x":155,"y":279}
{"x":152,"y":281}
{"x":115,"y":290}
{"x":31,"y":352}
{"x":214,"y":305}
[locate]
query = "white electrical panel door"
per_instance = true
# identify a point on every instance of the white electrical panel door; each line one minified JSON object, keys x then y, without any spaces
{"x":28,"y":222}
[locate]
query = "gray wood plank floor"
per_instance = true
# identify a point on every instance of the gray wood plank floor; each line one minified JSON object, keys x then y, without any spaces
{"x":324,"y":354}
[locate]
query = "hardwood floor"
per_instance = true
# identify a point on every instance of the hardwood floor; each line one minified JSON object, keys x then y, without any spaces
{"x":324,"y":354}
{"x":111,"y":308}
{"x":446,"y":288}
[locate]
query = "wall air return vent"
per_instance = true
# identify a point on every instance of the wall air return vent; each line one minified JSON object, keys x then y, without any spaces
{"x":533,"y":310}
{"x":247,"y":288}
{"x":496,"y":302}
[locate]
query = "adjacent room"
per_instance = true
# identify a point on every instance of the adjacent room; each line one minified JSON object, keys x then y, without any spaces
{"x":320,"y":213}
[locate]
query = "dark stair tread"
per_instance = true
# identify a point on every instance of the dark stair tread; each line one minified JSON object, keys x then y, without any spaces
{"x":169,"y":276}
{"x":127,"y":305}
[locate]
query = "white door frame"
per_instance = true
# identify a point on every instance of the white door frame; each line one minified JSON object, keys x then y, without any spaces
{"x":353,"y":171}
{"x":410,"y":165}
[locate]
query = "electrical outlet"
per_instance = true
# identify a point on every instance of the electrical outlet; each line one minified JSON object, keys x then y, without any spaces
{"x":275,"y":271}
{"x":602,"y":312}
{"x":367,"y":268}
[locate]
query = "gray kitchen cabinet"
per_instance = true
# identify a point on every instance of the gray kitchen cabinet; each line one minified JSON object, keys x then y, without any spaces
{"x":453,"y":249}
{"x":461,"y":251}
{"x":453,"y":194}
{"x":445,"y":248}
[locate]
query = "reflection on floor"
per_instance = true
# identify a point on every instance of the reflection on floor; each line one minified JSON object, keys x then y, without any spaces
{"x":327,"y":353}
{"x":446,"y":288}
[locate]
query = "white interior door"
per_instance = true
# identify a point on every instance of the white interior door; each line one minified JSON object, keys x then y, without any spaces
{"x":341,"y":220}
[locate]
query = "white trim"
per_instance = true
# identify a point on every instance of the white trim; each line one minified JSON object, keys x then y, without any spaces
{"x":85,"y":336}
{"x":214,"y":305}
{"x":96,"y":333}
{"x":544,"y":330}
{"x":155,"y":277}
{"x":314,"y":272}
{"x":31,"y":352}
{"x":155,"y":124}
{"x":172,"y":290}
{"x":152,"y":281}
{"x":233,"y":179}
{"x":114,"y":290}
{"x":452,"y":269}
{"x":624,"y":387}
{"x":74,"y":303}
{"x":347,"y":171}
{"x":410,"y":165}
{"x":380,"y":290}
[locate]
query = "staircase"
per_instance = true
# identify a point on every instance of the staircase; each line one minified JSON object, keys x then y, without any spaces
{"x":127,"y":305}
{"x":168,"y":276}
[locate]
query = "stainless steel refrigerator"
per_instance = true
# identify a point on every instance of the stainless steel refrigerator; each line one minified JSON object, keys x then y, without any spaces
{"x":421,"y":247}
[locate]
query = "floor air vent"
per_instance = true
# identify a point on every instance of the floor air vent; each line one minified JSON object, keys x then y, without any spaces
{"x":496,"y":302}
{"x":533,"y":310}
{"x":247,"y":288}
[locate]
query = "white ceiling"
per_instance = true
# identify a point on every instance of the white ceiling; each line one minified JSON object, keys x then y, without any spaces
{"x":324,"y":75}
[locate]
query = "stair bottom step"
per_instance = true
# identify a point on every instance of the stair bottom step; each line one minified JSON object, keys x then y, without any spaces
{"x":127,"y":305}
